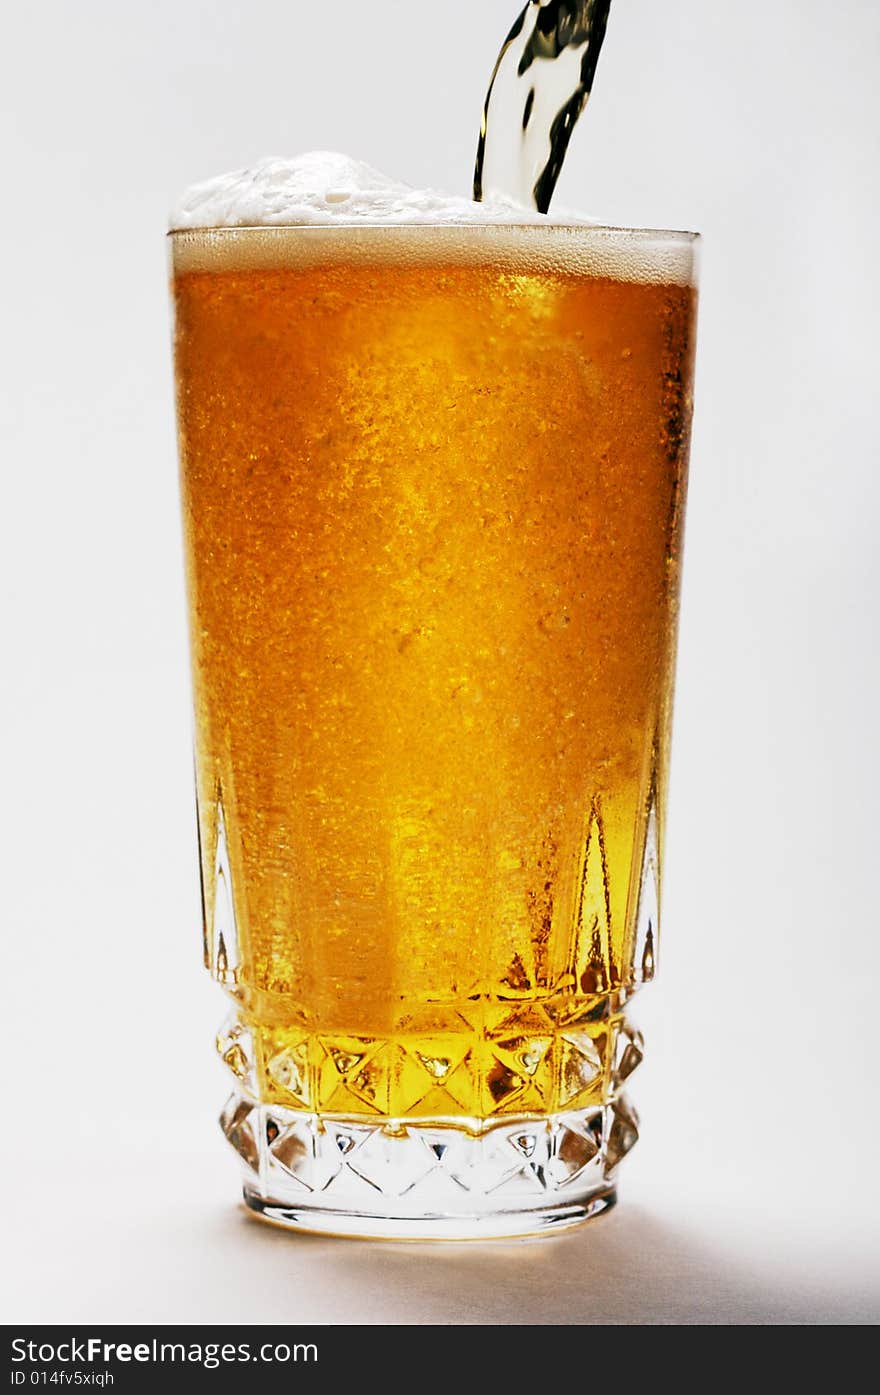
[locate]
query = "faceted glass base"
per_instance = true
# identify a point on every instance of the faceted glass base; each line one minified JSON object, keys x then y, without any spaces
{"x":435,"y":1179}
{"x":496,"y":1225}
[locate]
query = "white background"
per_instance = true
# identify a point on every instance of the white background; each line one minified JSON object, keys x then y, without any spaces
{"x":751,"y":1197}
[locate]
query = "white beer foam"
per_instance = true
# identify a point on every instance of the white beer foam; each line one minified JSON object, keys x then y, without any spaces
{"x":294,"y":212}
{"x":326,"y":188}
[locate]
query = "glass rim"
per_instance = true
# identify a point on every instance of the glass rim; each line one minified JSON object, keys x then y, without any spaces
{"x":680,"y":236}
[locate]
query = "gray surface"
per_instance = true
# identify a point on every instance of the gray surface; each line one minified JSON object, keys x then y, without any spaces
{"x":149,"y":1254}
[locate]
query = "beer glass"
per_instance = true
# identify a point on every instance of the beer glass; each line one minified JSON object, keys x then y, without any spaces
{"x":433,"y":483}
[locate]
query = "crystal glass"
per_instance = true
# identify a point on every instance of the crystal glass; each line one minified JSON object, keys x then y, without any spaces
{"x":433,"y":484}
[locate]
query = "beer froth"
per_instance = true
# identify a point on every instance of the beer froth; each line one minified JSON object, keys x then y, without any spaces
{"x":321,"y":207}
{"x":325,"y":188}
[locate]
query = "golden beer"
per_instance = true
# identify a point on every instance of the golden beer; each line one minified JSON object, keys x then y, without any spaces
{"x":433,"y":483}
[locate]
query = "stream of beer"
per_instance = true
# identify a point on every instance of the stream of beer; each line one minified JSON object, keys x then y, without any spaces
{"x":539,"y":87}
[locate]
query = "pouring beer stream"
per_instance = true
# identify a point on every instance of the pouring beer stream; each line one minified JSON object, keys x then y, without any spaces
{"x":540,"y":84}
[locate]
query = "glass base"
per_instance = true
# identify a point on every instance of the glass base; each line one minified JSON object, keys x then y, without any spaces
{"x":444,"y":1179}
{"x":498,"y":1225}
